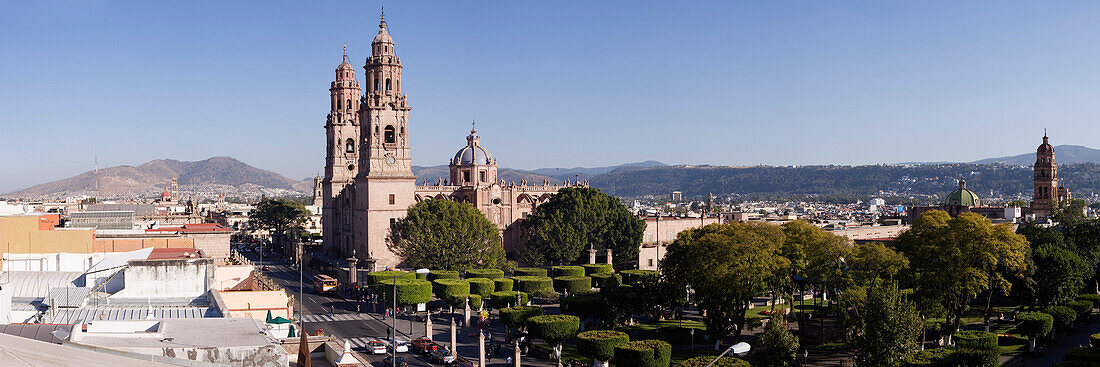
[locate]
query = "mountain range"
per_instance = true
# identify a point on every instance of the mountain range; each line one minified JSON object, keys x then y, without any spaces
{"x":1064,"y":154}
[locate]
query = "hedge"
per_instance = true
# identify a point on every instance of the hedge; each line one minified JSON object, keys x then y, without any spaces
{"x":600,"y":344}
{"x":1084,"y":354}
{"x":573,"y":285}
{"x":726,"y":361}
{"x":1092,"y":297}
{"x":590,"y":269}
{"x":977,"y":348}
{"x":1082,"y":307}
{"x":481,"y":286}
{"x":633,"y":276}
{"x":932,"y":357}
{"x":517,"y":316}
{"x":504,"y":284}
{"x":457,"y":301}
{"x":409,"y":291}
{"x":485,"y":273}
{"x":376,"y":277}
{"x":533,"y":284}
{"x":553,"y":328}
{"x":1094,"y":340}
{"x":568,"y":271}
{"x":581,"y":305}
{"x":474,"y":301}
{"x":1064,"y":317}
{"x":643,"y":353}
{"x":538,"y":272}
{"x":600,"y":279}
{"x":500,"y":300}
{"x":1034,"y":324}
{"x":447,"y":288}
{"x":442,"y":274}
{"x":422,"y":276}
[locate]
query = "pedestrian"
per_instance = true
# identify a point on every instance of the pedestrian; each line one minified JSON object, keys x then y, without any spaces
{"x":509,"y":361}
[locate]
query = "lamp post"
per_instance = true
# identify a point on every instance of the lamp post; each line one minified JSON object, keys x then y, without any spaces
{"x":393,"y":316}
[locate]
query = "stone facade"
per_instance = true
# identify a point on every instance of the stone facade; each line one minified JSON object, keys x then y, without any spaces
{"x":368,"y":182}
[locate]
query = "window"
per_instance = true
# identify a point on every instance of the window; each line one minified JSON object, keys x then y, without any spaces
{"x":376,"y":84}
{"x":393,"y":221}
{"x":338,"y":105}
{"x":650,"y":262}
{"x":349,"y":146}
{"x":387,"y":83}
{"x":349,"y":103}
{"x":390,"y":138}
{"x":481,"y":176}
{"x":393,"y":199}
{"x":465,"y":176}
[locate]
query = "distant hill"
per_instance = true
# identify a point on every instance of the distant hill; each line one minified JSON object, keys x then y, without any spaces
{"x":432,"y":174}
{"x":210,"y":176}
{"x":1064,"y":154}
{"x":561,"y":174}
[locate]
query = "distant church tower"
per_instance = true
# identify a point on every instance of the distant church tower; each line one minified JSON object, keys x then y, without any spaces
{"x":341,"y":159}
{"x":384,"y":185}
{"x":1047,"y":188}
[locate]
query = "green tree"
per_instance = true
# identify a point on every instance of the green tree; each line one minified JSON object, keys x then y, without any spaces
{"x":1034,"y":325}
{"x":727,"y":265}
{"x":576,"y":219}
{"x":446,"y":235}
{"x":279,"y":216}
{"x":554,"y":329}
{"x":956,"y":259}
{"x":1069,"y":213}
{"x":890,"y":329}
{"x":777,"y":346}
{"x":600,"y":344}
{"x":875,"y":262}
{"x":1059,"y":274}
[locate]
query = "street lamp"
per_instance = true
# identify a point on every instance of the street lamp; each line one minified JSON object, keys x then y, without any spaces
{"x":393,"y":316}
{"x":739,"y":349}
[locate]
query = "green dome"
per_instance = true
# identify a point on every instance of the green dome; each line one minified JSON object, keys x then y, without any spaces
{"x":962,"y":197}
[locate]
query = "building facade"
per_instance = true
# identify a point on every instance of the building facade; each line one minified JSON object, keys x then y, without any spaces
{"x":368,"y":182}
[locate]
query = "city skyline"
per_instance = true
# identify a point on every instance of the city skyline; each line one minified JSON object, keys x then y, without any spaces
{"x":551,"y":85}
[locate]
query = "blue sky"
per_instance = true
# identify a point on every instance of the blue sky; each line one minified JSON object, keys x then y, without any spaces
{"x":551,"y":83}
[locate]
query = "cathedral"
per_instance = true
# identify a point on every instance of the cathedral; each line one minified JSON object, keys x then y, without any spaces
{"x":368,"y":182}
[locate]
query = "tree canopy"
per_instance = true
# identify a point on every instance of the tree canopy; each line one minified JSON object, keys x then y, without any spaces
{"x":446,"y":235}
{"x":576,"y":219}
{"x":278,"y":215}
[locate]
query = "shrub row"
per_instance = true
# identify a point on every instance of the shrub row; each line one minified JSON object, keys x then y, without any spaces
{"x":533,"y":284}
{"x":568,"y":271}
{"x":442,"y":274}
{"x":505,"y":299}
{"x":573,"y":284}
{"x":485,"y":273}
{"x":481,"y":286}
{"x":538,"y":272}
{"x":590,"y":269}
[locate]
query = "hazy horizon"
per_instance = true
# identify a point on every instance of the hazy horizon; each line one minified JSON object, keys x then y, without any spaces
{"x":570,"y":84}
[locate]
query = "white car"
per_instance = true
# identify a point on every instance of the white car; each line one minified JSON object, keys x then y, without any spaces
{"x":402,"y":346}
{"x":376,"y":347}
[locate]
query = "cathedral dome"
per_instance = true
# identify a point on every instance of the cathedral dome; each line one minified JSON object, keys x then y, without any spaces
{"x":473,"y":153}
{"x":345,"y":65}
{"x":1045,"y":147}
{"x":962,"y":196}
{"x":383,"y":36}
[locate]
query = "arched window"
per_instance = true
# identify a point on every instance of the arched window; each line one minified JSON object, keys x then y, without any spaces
{"x":349,"y":146}
{"x":338,"y":106}
{"x":349,"y":103}
{"x":390,"y":137}
{"x":375,"y":83}
{"x":376,"y":130}
{"x":387,"y":83}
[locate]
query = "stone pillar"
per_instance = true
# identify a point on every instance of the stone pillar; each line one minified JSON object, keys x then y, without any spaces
{"x":353,"y":272}
{"x":592,"y":256}
{"x":454,"y":338}
{"x":428,"y":332}
{"x":609,"y":257}
{"x":515,"y":357}
{"x":480,"y":348}
{"x":466,"y":313}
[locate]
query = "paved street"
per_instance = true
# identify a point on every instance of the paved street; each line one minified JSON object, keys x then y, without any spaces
{"x":342,"y":319}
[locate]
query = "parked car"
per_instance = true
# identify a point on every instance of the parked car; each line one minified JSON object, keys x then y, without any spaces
{"x":377,"y":347}
{"x":442,"y":355}
{"x":424,"y":345}
{"x":400,"y":361}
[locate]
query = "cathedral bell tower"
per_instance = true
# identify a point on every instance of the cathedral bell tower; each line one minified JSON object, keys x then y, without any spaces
{"x":341,"y":158}
{"x":384,"y":183}
{"x":1048,"y":191}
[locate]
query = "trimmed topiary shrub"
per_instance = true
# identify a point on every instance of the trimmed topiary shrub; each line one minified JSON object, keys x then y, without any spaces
{"x":409,"y":291}
{"x":1034,"y":325}
{"x":501,"y":300}
{"x":516,"y":317}
{"x":485,"y":273}
{"x":977,"y":348}
{"x":474,"y":301}
{"x":442,"y":274}
{"x":590,"y":269}
{"x":1083,"y":354}
{"x":533,"y":284}
{"x":933,"y":357}
{"x":600,"y":279}
{"x":554,"y":329}
{"x":1082,"y":307}
{"x":481,"y":286}
{"x":538,"y":272}
{"x":600,"y":344}
{"x":568,"y":271}
{"x":581,"y":305}
{"x":702,"y":361}
{"x":1091,"y":297}
{"x":1094,"y":340}
{"x":504,"y":284}
{"x":376,"y":277}
{"x":634,"y":276}
{"x":635,"y":354}
{"x":1064,"y":317}
{"x":572,"y":285}
{"x":445,"y":289}
{"x":421,"y":276}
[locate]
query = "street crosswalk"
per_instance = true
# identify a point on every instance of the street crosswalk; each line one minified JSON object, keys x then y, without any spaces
{"x":336,"y":317}
{"x":360,"y":342}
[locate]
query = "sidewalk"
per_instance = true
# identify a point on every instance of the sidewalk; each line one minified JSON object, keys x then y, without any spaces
{"x":1055,"y":354}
